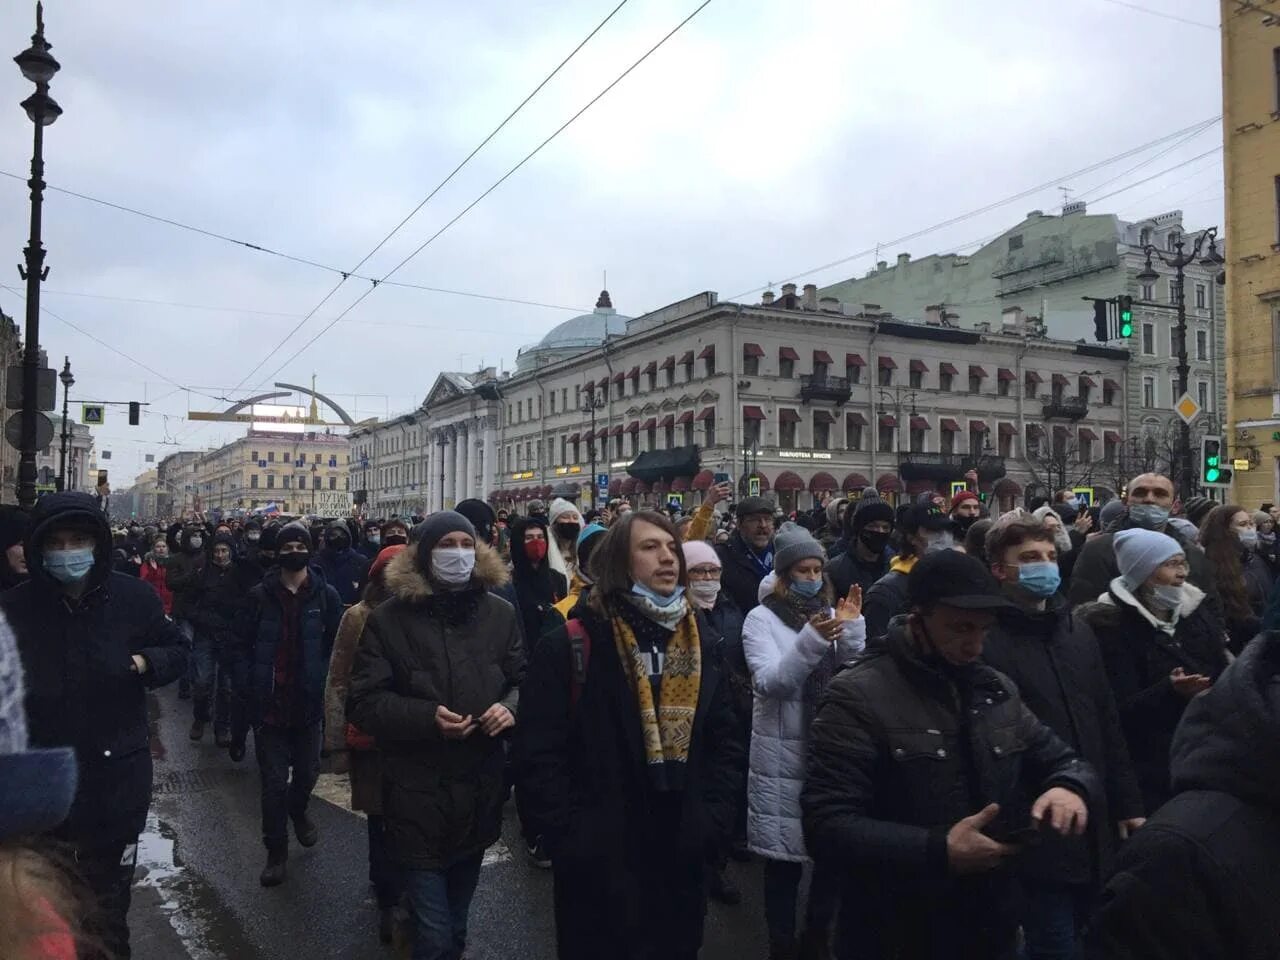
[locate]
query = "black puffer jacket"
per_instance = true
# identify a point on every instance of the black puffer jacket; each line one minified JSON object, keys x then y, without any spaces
{"x":1199,"y":881}
{"x":901,"y":750}
{"x":740,"y":575}
{"x":442,"y":799}
{"x":1139,"y":657}
{"x":1096,"y":565}
{"x":886,"y":599}
{"x":847,"y":569}
{"x":1053,"y":658}
{"x":183,"y":572}
{"x":537,"y":588}
{"x":81,"y":690}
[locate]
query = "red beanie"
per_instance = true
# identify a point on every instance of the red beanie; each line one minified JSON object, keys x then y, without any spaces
{"x":962,"y":496}
{"x":385,"y":556}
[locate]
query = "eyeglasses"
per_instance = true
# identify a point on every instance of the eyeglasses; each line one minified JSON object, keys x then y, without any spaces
{"x":1176,"y":563}
{"x":704,"y":573}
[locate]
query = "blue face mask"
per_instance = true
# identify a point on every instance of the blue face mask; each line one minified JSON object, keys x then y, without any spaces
{"x":1149,"y":516}
{"x":807,"y":588}
{"x":657,"y":599}
{"x":69,"y":566}
{"x":1040,"y":579}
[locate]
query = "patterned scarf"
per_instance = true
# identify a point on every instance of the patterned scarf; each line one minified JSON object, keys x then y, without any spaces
{"x":667,"y":728}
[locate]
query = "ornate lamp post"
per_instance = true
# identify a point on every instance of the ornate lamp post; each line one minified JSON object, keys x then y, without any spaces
{"x":591,"y":402}
{"x":68,"y":381}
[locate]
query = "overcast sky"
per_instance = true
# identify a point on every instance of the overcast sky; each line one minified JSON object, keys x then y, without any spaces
{"x":764,"y":139}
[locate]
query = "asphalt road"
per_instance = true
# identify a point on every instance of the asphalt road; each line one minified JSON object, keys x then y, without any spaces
{"x":197,"y":895}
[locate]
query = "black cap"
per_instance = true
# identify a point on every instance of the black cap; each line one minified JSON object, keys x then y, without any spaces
{"x":749,"y":506}
{"x":926,"y":516}
{"x":954,"y":579}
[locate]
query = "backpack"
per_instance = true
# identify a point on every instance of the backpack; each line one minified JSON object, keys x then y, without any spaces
{"x":579,"y":659}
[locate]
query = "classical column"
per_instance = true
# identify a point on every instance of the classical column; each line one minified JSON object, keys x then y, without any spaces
{"x":460,"y":440}
{"x":470,"y":475}
{"x":489,"y":456}
{"x":429,"y":482}
{"x":451,"y":471}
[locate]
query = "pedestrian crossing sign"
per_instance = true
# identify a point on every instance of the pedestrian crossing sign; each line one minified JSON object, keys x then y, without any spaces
{"x":92,"y":414}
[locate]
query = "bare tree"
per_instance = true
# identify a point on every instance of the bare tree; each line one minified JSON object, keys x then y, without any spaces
{"x":1057,"y":465}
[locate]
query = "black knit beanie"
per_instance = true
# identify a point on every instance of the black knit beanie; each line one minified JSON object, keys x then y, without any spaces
{"x":293,"y":533}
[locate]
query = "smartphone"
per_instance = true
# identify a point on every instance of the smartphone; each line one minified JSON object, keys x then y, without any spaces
{"x":721,"y":478}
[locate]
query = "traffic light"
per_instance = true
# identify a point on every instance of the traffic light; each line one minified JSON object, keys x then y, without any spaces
{"x":1100,"y":321}
{"x":135,"y":413}
{"x":1213,"y":471}
{"x":1125,"y":304}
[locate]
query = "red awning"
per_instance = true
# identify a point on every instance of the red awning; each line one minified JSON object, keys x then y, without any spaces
{"x":686,"y":417}
{"x":788,"y":416}
{"x":950,"y":425}
{"x":788,"y":482}
{"x":602,"y":433}
{"x":680,"y":485}
{"x":650,"y":424}
{"x":748,"y":413}
{"x":668,"y":421}
{"x":1060,"y":380}
{"x":651,"y":367}
{"x":708,"y":351}
{"x":615,"y":487}
{"x":708,"y":414}
{"x":633,"y":426}
{"x":854,"y":360}
{"x":977,"y":371}
{"x":854,"y":481}
{"x":1033,"y":377}
{"x":616,"y":431}
{"x":856,"y":418}
{"x":919,"y":423}
{"x":978,"y":426}
{"x":688,"y":357}
{"x":886,"y":363}
{"x":821,"y":482}
{"x":1111,"y":436}
{"x":604,"y":383}
{"x":669,"y":363}
{"x":1007,"y":487}
{"x":821,"y":356}
{"x":1087,"y":382}
{"x":1005,"y":375}
{"x":628,"y":486}
{"x":572,"y":438}
{"x":634,"y":373}
{"x":704,"y":480}
{"x":619,"y":377}
{"x":888,"y":420}
{"x":1007,"y":430}
{"x":1111,"y":385}
{"x":948,"y":368}
{"x":919,"y":366}
{"x":1087,"y":434}
{"x":823,"y":416}
{"x":888,"y":483}
{"x":752,"y":350}
{"x":788,"y":353}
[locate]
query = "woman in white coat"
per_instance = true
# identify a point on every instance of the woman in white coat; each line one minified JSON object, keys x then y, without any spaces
{"x":793,"y":642}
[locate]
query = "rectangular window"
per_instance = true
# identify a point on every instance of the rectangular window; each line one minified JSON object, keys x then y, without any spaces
{"x":709,"y":426}
{"x":1202,"y":345}
{"x":1084,"y":389}
{"x":786,"y":369}
{"x":577,"y":396}
{"x":975,"y":384}
{"x":917,"y":379}
{"x":977,"y":440}
{"x":653,"y":379}
{"x":853,"y":373}
{"x":917,"y":440}
{"x":253,"y":481}
{"x":1174,"y":346}
{"x":1148,"y":291}
{"x":286,"y":481}
{"x":271,"y":456}
{"x":750,"y":362}
{"x":651,"y":438}
{"x":617,"y":447}
{"x":1108,"y":394}
{"x":886,"y":376}
{"x":671,"y":376}
{"x":1149,"y":339}
{"x":948,"y":442}
{"x":1006,"y":445}
{"x":553,"y":401}
{"x":1109,"y":451}
{"x":1173,"y":290}
{"x":821,"y":434}
{"x":786,"y":434}
{"x":254,"y":456}
{"x":1002,"y":388}
{"x":669,"y":436}
{"x":271,"y":481}
{"x":945,"y":382}
{"x":688,"y":371}
{"x":886,"y":439}
{"x":315,"y":483}
{"x":635,"y":444}
{"x":819,"y":370}
{"x":852,"y":434}
{"x":317,"y":458}
{"x":1202,"y":394}
{"x":710,"y":362}
{"x":1202,"y":296}
{"x":688,"y":433}
{"x":333,"y":483}
{"x":1148,"y":391}
{"x":1086,"y":450}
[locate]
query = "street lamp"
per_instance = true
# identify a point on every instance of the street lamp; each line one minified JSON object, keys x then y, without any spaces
{"x":68,"y":381}
{"x":38,"y":66}
{"x":1178,"y":263}
{"x":592,"y":402}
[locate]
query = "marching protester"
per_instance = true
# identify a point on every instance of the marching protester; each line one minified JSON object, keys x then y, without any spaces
{"x":155,"y":571}
{"x":343,"y":567}
{"x":564,"y":524}
{"x":925,"y":530}
{"x":538,"y":587}
{"x":1241,"y":578}
{"x":793,"y":641}
{"x":183,"y":579}
{"x":93,"y":642}
{"x":630,"y":754}
{"x":748,"y":556}
{"x":13,"y":532}
{"x":223,"y":590}
{"x":868,"y":527}
{"x":371,"y":545}
{"x":436,"y":683}
{"x":583,"y":578}
{"x":966,"y":510}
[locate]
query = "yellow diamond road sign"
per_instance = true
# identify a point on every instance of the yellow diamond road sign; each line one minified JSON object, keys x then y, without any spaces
{"x":1186,"y":408}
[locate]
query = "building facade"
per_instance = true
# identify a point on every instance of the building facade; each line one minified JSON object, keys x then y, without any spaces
{"x":176,"y":479}
{"x":140,"y":501}
{"x":292,"y":473}
{"x":1251,"y":163}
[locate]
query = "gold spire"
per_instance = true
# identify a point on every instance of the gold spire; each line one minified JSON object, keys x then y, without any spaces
{"x":314,"y":416}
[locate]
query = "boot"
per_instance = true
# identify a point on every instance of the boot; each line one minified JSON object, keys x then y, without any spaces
{"x":306,"y":832}
{"x":815,"y":945}
{"x":720,"y":886}
{"x":274,"y":873}
{"x":783,"y":949}
{"x":222,"y":738}
{"x":236,"y":750}
{"x":197,"y":730}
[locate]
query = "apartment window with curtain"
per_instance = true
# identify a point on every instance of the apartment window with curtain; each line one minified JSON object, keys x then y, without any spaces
{"x":852,"y":434}
{"x":1202,"y":345}
{"x":709,"y":431}
{"x":821,"y":431}
{"x":787,"y":429}
{"x":886,"y":439}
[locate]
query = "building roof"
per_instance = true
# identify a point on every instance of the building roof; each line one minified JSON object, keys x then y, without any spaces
{"x":573,"y":336}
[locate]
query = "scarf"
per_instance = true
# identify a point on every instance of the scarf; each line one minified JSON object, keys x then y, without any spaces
{"x":667,"y":727}
{"x":795,"y":610}
{"x":666,"y":617}
{"x":454,"y":607}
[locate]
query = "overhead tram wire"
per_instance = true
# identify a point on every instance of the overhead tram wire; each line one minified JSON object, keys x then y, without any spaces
{"x":960,"y":218}
{"x":440,"y":186}
{"x":497,"y":183}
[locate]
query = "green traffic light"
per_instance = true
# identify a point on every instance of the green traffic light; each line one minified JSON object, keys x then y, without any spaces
{"x":1211,"y":475}
{"x":1126,"y":323}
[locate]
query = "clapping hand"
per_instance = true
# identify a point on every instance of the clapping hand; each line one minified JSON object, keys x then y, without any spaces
{"x":850,"y":607}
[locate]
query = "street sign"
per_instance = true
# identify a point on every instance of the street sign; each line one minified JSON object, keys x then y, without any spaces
{"x":958,"y":486}
{"x":94,"y":414}
{"x":1240,"y":465}
{"x":602,"y":480}
{"x":1084,"y":495}
{"x":1187,"y":408}
{"x":46,"y":388}
{"x":753,"y":486}
{"x":13,"y":431}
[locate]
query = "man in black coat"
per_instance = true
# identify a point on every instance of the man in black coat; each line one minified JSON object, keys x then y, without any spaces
{"x":1199,"y":881}
{"x":868,"y":526}
{"x":92,"y":643}
{"x":926,"y":769}
{"x":1053,"y":658}
{"x":748,"y":556}
{"x":926,"y":529}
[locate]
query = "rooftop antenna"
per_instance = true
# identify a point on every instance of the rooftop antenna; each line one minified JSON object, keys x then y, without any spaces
{"x":1066,"y":194}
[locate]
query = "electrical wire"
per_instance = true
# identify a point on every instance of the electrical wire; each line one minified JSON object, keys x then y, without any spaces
{"x":1208,"y":125}
{"x":1165,"y":16}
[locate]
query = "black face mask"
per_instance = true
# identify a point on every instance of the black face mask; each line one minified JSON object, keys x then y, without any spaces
{"x":964,"y":523}
{"x":567,"y":531}
{"x":294,"y":561}
{"x":394,"y":539}
{"x":873,"y":541}
{"x":336,"y":544}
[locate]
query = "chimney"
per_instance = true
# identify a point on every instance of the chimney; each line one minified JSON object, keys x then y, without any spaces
{"x":904,"y":259}
{"x":1012,"y":318}
{"x":882,"y":265}
{"x":788,"y":289}
{"x":810,"y":300}
{"x":933,"y":315}
{"x":766,"y":298}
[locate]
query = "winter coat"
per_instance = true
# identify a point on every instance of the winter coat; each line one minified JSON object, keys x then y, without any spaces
{"x":82,"y":691}
{"x":1096,"y":565}
{"x":618,"y":846}
{"x":726,"y":621}
{"x":156,"y":575}
{"x":847,"y":569}
{"x":1139,"y":655}
{"x":902,"y":749}
{"x":887,"y":598}
{"x":345,"y":570}
{"x":442,"y":799}
{"x":781,"y":660}
{"x":222,"y":595}
{"x":740,"y":575}
{"x":1053,"y":658}
{"x":1199,"y":881}
{"x":256,"y":637}
{"x":183,"y":572}
{"x":537,"y":589}
{"x":364,"y":766}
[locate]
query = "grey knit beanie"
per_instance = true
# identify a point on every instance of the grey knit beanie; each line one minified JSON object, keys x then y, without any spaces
{"x":793,"y":543}
{"x":1140,"y":552}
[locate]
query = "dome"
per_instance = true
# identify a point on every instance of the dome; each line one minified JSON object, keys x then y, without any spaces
{"x":574,"y":336}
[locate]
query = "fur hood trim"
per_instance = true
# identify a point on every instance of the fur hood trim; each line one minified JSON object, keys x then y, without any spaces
{"x":405,"y":581}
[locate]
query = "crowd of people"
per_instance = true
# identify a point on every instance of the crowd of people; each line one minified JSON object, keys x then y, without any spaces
{"x":1042,"y":734}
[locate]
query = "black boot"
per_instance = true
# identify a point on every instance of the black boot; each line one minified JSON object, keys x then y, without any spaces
{"x":222,"y":738}
{"x":184,"y":689}
{"x":197,"y":730}
{"x":236,"y":750}
{"x":720,"y":886}
{"x":274,"y":873}
{"x":306,"y":832}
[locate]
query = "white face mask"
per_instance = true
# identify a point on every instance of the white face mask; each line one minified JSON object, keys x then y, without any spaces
{"x":704,"y":592}
{"x":1166,"y":596}
{"x":453,"y":565}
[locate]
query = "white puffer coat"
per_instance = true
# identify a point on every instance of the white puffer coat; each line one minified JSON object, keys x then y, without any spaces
{"x":780,"y":661}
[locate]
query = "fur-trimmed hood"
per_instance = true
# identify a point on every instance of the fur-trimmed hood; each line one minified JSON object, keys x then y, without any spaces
{"x":407,"y":582}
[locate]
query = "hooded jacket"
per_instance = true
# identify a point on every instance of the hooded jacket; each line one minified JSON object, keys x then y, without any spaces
{"x":82,"y":691}
{"x":183,"y":573}
{"x":442,"y":799}
{"x":538,"y":589}
{"x":345,"y":569}
{"x":1199,"y":882}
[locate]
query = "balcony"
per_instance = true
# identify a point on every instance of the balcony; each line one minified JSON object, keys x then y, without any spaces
{"x":829,"y":389}
{"x":1065,"y":408}
{"x":949,"y":466}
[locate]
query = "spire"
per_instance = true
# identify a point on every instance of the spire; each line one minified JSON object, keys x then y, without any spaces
{"x":604,"y":303}
{"x":315,"y":406}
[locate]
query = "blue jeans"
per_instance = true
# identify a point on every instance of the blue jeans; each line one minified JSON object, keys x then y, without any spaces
{"x":439,"y":901}
{"x":279,"y":749}
{"x":211,"y":680}
{"x":1052,"y":921}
